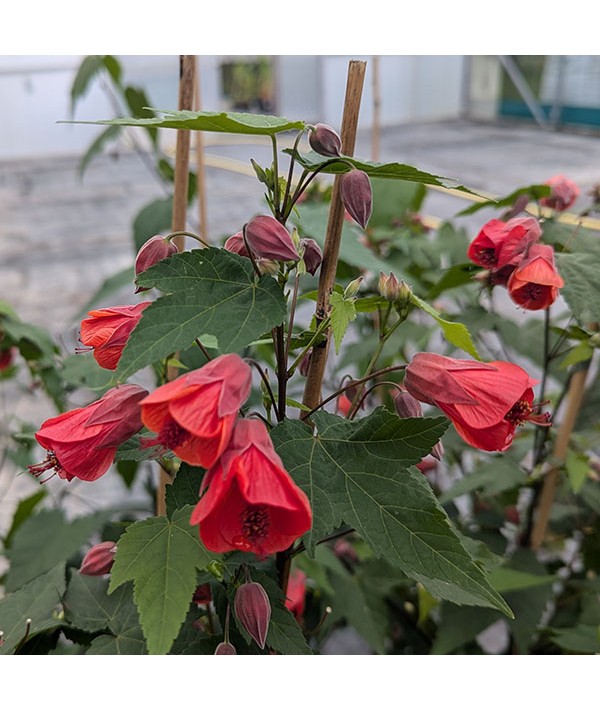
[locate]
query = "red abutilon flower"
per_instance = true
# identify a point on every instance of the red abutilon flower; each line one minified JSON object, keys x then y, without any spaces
{"x":99,"y":559}
{"x":563,"y":195}
{"x":106,"y":331}
{"x":499,"y":244}
{"x":535,"y":282}
{"x":82,"y":443}
{"x":248,"y":500}
{"x":295,"y":600}
{"x":151,"y":252}
{"x":194,"y":414}
{"x":485,"y":401}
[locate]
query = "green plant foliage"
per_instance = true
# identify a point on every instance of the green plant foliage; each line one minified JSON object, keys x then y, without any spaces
{"x":90,"y":608}
{"x":390,"y":171}
{"x":359,"y":473}
{"x":455,"y":333}
{"x":38,"y":601}
{"x":44,"y":540}
{"x":209,"y":291}
{"x":532,"y":192}
{"x":153,"y":219}
{"x":23,"y":511}
{"x":212,"y":121}
{"x":582,"y":288}
{"x":161,"y":557}
{"x":343,"y":312}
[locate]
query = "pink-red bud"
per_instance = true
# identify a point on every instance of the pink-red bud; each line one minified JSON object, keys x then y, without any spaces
{"x":269,"y":239}
{"x":325,"y":141}
{"x":312,"y":256}
{"x":225,"y":648}
{"x":407,"y":406}
{"x":235,"y":244}
{"x":357,"y":196}
{"x":151,"y":252}
{"x":253,"y":611}
{"x":99,"y":559}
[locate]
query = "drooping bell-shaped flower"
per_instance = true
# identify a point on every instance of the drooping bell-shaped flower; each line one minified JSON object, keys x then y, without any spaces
{"x":82,"y":443}
{"x":485,"y":401}
{"x":106,"y":331}
{"x":563,"y":195}
{"x":535,"y":283}
{"x":194,"y":414}
{"x":312,"y":255}
{"x":248,"y":501}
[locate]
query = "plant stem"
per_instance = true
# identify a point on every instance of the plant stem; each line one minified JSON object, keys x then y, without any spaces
{"x":353,"y":384}
{"x":206,"y":354}
{"x":323,"y":326}
{"x":185,"y":233}
{"x":291,"y":318}
{"x":276,"y":197}
{"x":288,"y":185}
{"x":316,"y":371}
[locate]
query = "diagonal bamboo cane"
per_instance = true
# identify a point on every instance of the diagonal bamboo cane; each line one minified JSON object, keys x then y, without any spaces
{"x":331,"y":250}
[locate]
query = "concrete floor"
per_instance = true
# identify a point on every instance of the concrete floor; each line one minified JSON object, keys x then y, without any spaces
{"x":61,"y":236}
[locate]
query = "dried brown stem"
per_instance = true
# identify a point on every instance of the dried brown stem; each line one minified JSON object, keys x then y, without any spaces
{"x":314,"y":379}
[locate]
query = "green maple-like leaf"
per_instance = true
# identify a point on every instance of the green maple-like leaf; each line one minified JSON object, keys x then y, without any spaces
{"x":220,"y":122}
{"x":360,"y":473}
{"x":209,"y":291}
{"x":161,"y":557}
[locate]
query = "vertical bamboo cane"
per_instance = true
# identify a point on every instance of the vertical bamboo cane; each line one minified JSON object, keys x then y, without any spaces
{"x":574,"y":399}
{"x":200,"y":165}
{"x":376,"y":127}
{"x":180,"y":200}
{"x":314,"y":379}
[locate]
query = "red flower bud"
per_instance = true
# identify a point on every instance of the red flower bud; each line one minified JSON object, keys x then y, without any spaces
{"x":563,"y":195}
{"x":269,"y":239}
{"x":82,"y":443}
{"x":225,"y":648}
{"x":325,"y":141}
{"x":357,"y":196}
{"x":312,"y":255}
{"x":151,"y":252}
{"x":194,"y":414}
{"x":253,"y":611}
{"x":235,"y":244}
{"x":406,"y":405}
{"x":485,"y":401}
{"x":343,"y":405}
{"x":99,"y":559}
{"x":6,"y":358}
{"x":106,"y":332}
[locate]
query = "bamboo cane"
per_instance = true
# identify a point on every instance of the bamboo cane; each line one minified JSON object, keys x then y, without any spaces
{"x":354,"y":87}
{"x":574,"y":399}
{"x":180,"y":200}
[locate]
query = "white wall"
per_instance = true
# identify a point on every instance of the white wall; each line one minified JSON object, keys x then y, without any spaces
{"x":34,"y":94}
